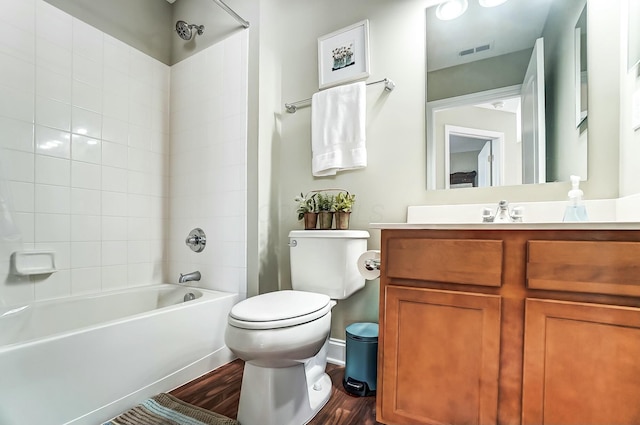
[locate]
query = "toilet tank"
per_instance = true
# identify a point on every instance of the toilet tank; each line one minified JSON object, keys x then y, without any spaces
{"x":325,"y":261}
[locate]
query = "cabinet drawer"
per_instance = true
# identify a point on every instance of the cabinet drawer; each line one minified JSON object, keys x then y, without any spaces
{"x":462,"y":261}
{"x":601,"y":267}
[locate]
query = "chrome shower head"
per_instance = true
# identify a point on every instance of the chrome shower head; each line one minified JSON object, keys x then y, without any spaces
{"x":185,"y":31}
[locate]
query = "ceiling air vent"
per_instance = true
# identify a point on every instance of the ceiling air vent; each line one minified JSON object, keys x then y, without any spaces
{"x":476,"y":49}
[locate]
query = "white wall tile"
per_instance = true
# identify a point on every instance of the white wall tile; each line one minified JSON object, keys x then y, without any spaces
{"x":85,"y":228}
{"x":85,"y":201}
{"x":22,"y":196}
{"x":52,"y":113}
{"x":114,"y":228}
{"x":85,"y":122}
{"x":15,"y":72}
{"x":53,"y":171}
{"x":85,"y":175}
{"x":52,"y":142}
{"x":87,"y":71}
{"x":52,"y":227}
{"x":88,"y":97}
{"x":17,"y":165}
{"x":86,"y":280}
{"x":114,"y":154}
{"x":114,"y":179}
{"x":17,"y":103}
{"x":15,"y":134}
{"x":24,"y":223}
{"x":115,"y":130}
{"x":17,"y":42}
{"x":114,"y":253}
{"x":53,"y":24}
{"x":54,"y":57}
{"x":53,"y":85}
{"x":87,"y":41}
{"x":62,"y":253}
{"x":52,"y":199}
{"x":114,"y":277}
{"x":86,"y":149}
{"x":85,"y":254}
{"x":115,"y":204}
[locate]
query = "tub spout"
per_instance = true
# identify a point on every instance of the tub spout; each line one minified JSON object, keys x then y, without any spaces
{"x":189,"y":277}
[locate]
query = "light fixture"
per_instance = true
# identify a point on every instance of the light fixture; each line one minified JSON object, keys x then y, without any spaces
{"x":491,"y":3}
{"x":451,"y":9}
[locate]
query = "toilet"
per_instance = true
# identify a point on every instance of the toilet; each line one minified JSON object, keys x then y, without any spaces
{"x":283,"y":336}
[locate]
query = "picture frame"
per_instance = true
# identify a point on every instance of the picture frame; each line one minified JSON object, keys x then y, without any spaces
{"x":343,"y":55}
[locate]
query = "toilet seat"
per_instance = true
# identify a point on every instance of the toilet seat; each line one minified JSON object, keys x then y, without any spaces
{"x":279,"y":309}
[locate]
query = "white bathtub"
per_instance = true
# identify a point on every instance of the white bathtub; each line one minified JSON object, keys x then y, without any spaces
{"x":83,"y":360}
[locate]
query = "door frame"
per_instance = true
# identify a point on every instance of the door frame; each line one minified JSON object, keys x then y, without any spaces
{"x":476,"y":133}
{"x":453,"y":102}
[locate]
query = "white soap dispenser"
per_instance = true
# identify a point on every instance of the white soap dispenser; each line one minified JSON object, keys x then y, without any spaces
{"x":576,"y":210}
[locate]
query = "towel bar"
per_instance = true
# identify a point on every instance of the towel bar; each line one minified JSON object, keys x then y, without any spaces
{"x":389,"y":85}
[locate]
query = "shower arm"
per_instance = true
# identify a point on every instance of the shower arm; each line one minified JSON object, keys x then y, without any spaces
{"x":231,"y":12}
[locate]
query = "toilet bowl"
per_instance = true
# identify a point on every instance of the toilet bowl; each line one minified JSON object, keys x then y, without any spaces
{"x":283,"y":336}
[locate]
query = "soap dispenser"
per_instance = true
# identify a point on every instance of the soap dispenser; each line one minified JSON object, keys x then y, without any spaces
{"x":576,"y":210}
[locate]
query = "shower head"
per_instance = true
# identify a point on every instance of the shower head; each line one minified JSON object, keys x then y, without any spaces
{"x":185,"y":31}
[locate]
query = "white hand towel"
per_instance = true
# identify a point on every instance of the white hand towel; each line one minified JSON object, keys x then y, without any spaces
{"x":338,"y":129}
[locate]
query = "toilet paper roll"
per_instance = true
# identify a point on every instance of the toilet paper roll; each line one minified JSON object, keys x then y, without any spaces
{"x":365,"y":271}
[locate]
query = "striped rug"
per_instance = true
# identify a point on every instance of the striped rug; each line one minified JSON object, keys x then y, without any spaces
{"x":165,"y":409}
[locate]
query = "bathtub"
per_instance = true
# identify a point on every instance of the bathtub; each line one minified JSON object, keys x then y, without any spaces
{"x":83,"y":360}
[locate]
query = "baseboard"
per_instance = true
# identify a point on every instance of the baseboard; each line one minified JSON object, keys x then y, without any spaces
{"x":337,"y":351}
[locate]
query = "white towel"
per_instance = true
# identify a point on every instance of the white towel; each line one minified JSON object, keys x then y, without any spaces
{"x":338,"y":129}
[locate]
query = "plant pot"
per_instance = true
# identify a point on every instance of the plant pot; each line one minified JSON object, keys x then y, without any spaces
{"x":325,"y":219}
{"x":310,"y":220}
{"x":342,"y":220}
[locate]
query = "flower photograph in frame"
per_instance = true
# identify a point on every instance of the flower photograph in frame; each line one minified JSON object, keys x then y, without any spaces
{"x":343,"y":55}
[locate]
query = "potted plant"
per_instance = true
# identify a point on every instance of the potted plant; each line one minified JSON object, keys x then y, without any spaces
{"x":343,"y":205}
{"x":325,"y":210}
{"x":307,"y":210}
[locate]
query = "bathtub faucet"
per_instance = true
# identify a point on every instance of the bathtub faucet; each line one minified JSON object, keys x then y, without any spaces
{"x":189,"y":277}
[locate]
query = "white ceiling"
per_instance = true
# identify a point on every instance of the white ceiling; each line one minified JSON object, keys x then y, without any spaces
{"x":510,"y":27}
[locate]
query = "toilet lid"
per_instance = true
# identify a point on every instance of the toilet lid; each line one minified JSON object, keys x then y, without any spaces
{"x":279,"y":309}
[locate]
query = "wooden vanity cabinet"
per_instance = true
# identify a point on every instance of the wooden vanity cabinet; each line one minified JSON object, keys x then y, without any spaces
{"x":509,"y":327}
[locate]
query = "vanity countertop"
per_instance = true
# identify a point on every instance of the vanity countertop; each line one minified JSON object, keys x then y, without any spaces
{"x":585,"y":225}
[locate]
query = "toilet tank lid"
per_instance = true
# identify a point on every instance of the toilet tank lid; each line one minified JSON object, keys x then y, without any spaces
{"x":279,"y":305}
{"x":343,"y":234}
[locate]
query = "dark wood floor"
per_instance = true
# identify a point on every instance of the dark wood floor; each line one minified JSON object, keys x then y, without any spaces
{"x":219,"y":391}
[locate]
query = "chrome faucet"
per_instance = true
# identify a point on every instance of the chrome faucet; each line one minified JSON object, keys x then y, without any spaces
{"x":502,"y":214}
{"x":189,"y":277}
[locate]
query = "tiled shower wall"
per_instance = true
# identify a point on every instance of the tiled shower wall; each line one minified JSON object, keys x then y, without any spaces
{"x":84,"y":155}
{"x":208,"y":164}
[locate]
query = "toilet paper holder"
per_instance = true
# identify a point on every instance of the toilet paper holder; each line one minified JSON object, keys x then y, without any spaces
{"x":372,"y":264}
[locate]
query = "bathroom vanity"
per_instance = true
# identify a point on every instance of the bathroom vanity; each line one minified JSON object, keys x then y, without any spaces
{"x":509,"y":324}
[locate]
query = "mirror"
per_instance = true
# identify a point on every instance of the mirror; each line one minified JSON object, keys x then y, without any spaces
{"x":509,"y":71}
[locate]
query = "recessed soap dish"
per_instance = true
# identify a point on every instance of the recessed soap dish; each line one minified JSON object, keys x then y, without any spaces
{"x":27,"y":263}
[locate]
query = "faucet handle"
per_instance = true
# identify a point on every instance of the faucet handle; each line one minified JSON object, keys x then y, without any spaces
{"x":517,"y":214}
{"x":487,"y":217}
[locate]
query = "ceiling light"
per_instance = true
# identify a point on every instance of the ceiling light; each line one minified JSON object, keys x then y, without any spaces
{"x":451,"y":9}
{"x":491,"y":3}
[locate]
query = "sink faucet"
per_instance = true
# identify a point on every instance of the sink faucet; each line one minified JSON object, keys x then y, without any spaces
{"x":189,"y":277}
{"x":502,"y":214}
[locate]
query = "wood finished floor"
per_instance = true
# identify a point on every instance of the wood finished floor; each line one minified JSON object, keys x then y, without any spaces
{"x":219,"y":391}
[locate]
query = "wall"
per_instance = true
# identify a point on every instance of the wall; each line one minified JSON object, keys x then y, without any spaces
{"x":396,"y":174}
{"x":208,"y":163}
{"x":568,"y":155}
{"x":145,"y":25}
{"x":85,"y":141}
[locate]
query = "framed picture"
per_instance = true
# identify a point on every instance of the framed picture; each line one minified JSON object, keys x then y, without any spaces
{"x":343,"y":55}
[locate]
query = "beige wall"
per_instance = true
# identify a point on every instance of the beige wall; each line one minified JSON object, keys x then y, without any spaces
{"x":396,"y":174}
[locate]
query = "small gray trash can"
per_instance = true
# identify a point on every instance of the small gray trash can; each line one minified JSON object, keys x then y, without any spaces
{"x":361,"y":361}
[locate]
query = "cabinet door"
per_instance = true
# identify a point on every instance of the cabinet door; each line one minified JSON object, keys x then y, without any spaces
{"x":440,"y":357}
{"x":581,"y":364}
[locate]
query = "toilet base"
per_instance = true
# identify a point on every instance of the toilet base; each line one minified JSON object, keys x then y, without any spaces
{"x":273,"y":396}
